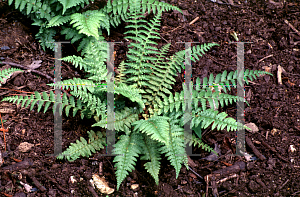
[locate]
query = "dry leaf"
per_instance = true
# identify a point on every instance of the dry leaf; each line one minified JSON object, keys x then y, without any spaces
{"x":101,"y":184}
{"x":25,"y":146}
{"x":253,"y":127}
{"x":35,"y":64}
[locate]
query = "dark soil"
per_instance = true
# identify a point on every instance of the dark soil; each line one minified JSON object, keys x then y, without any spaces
{"x":274,"y":107}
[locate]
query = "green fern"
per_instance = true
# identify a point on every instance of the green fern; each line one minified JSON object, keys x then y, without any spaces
{"x":71,"y":3}
{"x":6,"y":73}
{"x":149,"y":118}
{"x":128,"y":147}
{"x":84,"y":148}
{"x":89,"y":22}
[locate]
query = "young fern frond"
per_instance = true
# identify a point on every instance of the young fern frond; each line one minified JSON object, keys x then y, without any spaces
{"x":84,"y":148}
{"x":89,"y":22}
{"x":120,"y":78}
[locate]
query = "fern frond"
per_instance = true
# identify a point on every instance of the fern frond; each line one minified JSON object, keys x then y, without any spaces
{"x":123,"y":120}
{"x":46,"y":38}
{"x":89,"y":22}
{"x":72,"y":34}
{"x":71,"y":3}
{"x":58,"y":20}
{"x":224,"y":81}
{"x":75,"y":84}
{"x":42,"y":9}
{"x":7,"y":73}
{"x":120,"y":78}
{"x":95,"y":53}
{"x":118,"y":9}
{"x":84,"y":148}
{"x":219,"y":120}
{"x":131,"y":92}
{"x":95,"y":105}
{"x":155,"y":127}
{"x":37,"y":99}
{"x":197,"y":142}
{"x":138,"y":67}
{"x":175,"y":148}
{"x":128,"y":149}
{"x":150,"y":149}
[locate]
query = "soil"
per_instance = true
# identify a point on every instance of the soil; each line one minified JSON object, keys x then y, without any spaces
{"x":273,"y":107}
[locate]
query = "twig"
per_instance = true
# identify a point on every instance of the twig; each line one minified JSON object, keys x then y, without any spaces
{"x":295,"y":193}
{"x":268,"y":146}
{"x":225,"y":179}
{"x":10,"y":90}
{"x":37,"y":183}
{"x":195,"y":172}
{"x":190,"y":23}
{"x":279,"y":188}
{"x":292,"y":27}
{"x":93,"y":191}
{"x":256,"y":152}
{"x":54,"y":181}
{"x":34,"y":71}
{"x":213,"y":59}
{"x":26,"y":68}
{"x":279,"y":72}
{"x":273,"y":150}
{"x":4,"y":130}
{"x":26,"y":163}
{"x":193,"y":21}
{"x":265,"y":58}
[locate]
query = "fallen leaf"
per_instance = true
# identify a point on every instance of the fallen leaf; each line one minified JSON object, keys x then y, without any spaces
{"x":25,"y":146}
{"x":101,"y":184}
{"x":35,"y":64}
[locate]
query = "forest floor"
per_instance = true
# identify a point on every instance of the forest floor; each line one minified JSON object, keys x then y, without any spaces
{"x":274,"y":107}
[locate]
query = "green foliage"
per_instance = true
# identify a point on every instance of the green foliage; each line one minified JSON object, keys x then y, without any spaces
{"x":6,"y":73}
{"x":149,"y":118}
{"x":84,"y":148}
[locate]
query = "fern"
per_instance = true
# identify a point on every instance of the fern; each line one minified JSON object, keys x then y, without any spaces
{"x":84,"y":148}
{"x":71,"y":3}
{"x":129,"y":148}
{"x":149,"y":117}
{"x":89,"y":22}
{"x":7,"y":73}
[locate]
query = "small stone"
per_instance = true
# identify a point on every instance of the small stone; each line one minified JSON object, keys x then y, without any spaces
{"x":292,"y":148}
{"x":274,"y":131}
{"x":25,"y":146}
{"x":134,"y":186}
{"x":217,"y":28}
{"x":183,"y":182}
{"x":72,"y":179}
{"x":5,"y":48}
